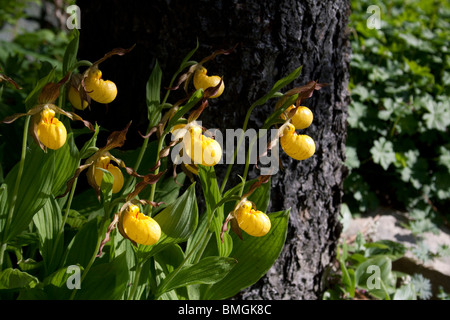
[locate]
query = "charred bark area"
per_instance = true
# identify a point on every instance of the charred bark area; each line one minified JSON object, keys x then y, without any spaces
{"x":273,"y":38}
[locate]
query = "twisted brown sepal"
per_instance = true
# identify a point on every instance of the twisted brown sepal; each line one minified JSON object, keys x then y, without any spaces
{"x":115,"y":140}
{"x":50,"y":91}
{"x":261,"y":180}
{"x":76,"y":81}
{"x":4,"y":77}
{"x":147,"y":180}
{"x":159,"y":128}
{"x":304,"y":92}
{"x":117,"y":223}
{"x":35,"y":113}
{"x":209,"y":92}
{"x":232,"y":215}
{"x":111,"y":227}
{"x":187,"y":76}
{"x":233,"y":224}
{"x":113,"y":52}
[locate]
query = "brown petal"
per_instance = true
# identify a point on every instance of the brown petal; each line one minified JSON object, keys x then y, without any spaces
{"x":116,"y":51}
{"x":10,"y":80}
{"x":75,"y":176}
{"x":148,"y":179}
{"x":50,"y":91}
{"x":224,"y":229}
{"x":261,"y":180}
{"x":111,"y":227}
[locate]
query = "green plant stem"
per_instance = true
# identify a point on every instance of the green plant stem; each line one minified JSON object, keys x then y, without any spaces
{"x":66,"y":214}
{"x":201,"y":241}
{"x":153,"y":186}
{"x":94,"y":255}
{"x":16,"y":188}
{"x":136,"y":280}
{"x":241,"y":138}
{"x":145,"y":143}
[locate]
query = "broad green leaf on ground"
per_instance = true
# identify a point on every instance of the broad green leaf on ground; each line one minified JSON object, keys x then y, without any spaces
{"x":437,"y":115}
{"x":373,"y":275}
{"x":383,"y":152}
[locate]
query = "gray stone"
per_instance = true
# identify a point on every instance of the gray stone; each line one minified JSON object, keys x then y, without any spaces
{"x":386,"y":224}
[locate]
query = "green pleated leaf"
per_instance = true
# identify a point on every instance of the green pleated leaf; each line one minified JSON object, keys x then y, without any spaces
{"x":153,"y":95}
{"x":16,"y":279}
{"x":56,"y":286}
{"x":213,"y":197}
{"x":48,"y":221}
{"x":106,"y":281}
{"x":192,"y":102}
{"x":34,"y":190}
{"x":207,"y":271}
{"x":373,"y":275}
{"x":107,"y":186}
{"x":70,"y":55}
{"x":66,"y":162}
{"x":177,"y":221}
{"x":254,"y":256}
{"x":32,"y":99}
{"x":4,"y":207}
{"x":279,"y":85}
{"x":165,"y":262}
{"x":89,"y":148}
{"x":83,"y":245}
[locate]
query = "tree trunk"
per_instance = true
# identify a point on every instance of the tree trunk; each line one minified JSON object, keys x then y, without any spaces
{"x":273,"y":38}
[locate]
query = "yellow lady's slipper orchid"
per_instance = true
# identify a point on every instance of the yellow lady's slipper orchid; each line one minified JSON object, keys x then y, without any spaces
{"x":256,"y":223}
{"x":50,"y":131}
{"x":104,"y":163}
{"x":302,"y":118}
{"x":203,"y":81}
{"x":75,"y":99}
{"x":102,"y":91}
{"x":140,"y":228}
{"x":201,"y":149}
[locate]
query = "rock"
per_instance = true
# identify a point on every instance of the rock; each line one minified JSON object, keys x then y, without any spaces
{"x":387,"y":224}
